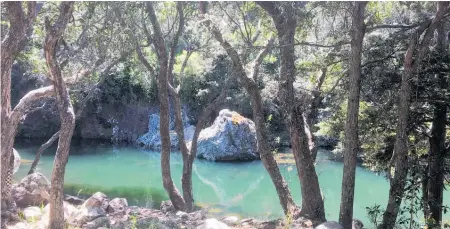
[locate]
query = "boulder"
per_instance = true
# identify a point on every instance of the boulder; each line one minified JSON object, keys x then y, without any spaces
{"x":102,"y":221}
{"x":73,"y":199}
{"x":17,"y":160}
{"x":232,"y":137}
{"x":32,"y":213}
{"x":93,"y":208}
{"x":33,"y":190}
{"x":329,"y":225}
{"x":212,"y":224}
{"x":230,"y":220}
{"x":117,"y":205}
{"x":152,"y":139}
{"x":167,"y":206}
{"x":357,"y":224}
{"x":69,"y":210}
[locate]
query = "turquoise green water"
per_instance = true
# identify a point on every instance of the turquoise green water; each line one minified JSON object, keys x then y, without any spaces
{"x":234,"y":188}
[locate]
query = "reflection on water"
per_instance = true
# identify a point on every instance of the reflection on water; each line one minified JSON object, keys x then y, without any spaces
{"x":238,"y":188}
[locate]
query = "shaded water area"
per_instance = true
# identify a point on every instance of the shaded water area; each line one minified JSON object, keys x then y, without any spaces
{"x":243,"y":188}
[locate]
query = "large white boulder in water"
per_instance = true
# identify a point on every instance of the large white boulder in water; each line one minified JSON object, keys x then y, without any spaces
{"x":232,"y":137}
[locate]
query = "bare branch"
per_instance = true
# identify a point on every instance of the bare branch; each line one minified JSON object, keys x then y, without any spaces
{"x":260,"y":58}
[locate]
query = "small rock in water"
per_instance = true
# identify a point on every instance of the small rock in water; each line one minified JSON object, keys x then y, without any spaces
{"x":213,"y":224}
{"x":330,"y":225}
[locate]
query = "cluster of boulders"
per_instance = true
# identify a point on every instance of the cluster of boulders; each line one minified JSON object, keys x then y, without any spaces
{"x":231,"y":137}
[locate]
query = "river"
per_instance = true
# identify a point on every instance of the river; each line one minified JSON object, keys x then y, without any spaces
{"x":241,"y":188}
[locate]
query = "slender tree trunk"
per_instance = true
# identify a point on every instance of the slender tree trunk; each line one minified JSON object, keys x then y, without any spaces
{"x":41,"y":150}
{"x":67,"y":116}
{"x":436,"y":159}
{"x":269,"y":162}
{"x":174,"y":195}
{"x":20,"y":27}
{"x":400,"y":155}
{"x":437,"y":145}
{"x":283,"y":17}
{"x":351,"y":128}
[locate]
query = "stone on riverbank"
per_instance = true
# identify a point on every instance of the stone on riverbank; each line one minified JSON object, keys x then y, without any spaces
{"x":33,"y":190}
{"x":232,"y":137}
{"x":329,"y":225}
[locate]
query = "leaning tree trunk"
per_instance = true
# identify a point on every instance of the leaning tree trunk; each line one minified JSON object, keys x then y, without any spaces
{"x":351,"y":128}
{"x":67,"y":116}
{"x":20,"y":27}
{"x":435,"y":177}
{"x":285,"y":23}
{"x":174,"y":195}
{"x":269,"y":162}
{"x":400,"y":155}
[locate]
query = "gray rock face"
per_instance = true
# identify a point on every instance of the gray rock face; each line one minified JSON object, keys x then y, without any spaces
{"x":152,"y":139}
{"x":33,"y":190}
{"x":232,"y":137}
{"x":329,"y":225}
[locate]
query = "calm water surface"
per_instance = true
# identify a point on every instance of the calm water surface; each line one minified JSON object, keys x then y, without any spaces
{"x":232,"y":188}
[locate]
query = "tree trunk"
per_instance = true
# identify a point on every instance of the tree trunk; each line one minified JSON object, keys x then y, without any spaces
{"x":436,"y":165}
{"x":400,"y":155}
{"x":269,"y":162}
{"x":41,"y":150}
{"x":174,"y":195}
{"x":283,"y":16}
{"x":351,"y":133}
{"x":67,"y":116}
{"x":437,"y":146}
{"x":20,"y":27}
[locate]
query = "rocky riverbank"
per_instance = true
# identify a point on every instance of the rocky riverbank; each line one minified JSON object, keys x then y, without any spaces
{"x":100,"y":211}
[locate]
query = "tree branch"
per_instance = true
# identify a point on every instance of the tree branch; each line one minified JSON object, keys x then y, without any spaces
{"x":260,"y":58}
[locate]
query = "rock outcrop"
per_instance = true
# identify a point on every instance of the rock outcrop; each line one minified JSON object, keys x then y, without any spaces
{"x":33,"y":190}
{"x":231,"y":137}
{"x":152,"y":139}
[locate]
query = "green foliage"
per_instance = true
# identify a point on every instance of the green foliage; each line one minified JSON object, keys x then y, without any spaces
{"x":375,"y":214}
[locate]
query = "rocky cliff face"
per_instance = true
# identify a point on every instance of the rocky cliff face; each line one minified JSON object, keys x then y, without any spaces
{"x":117,"y":112}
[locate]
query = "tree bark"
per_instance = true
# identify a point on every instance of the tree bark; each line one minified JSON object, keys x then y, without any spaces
{"x":400,"y":155}
{"x":174,"y":195}
{"x":67,"y":116}
{"x":436,"y":157}
{"x":351,"y":133}
{"x":21,"y":25}
{"x":264,"y":149}
{"x":283,"y":16}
